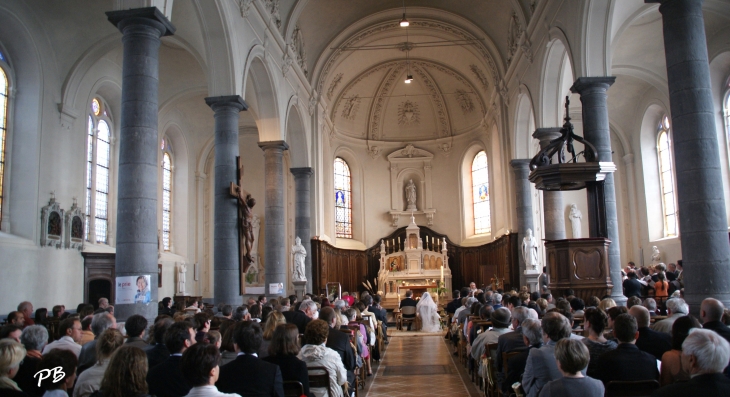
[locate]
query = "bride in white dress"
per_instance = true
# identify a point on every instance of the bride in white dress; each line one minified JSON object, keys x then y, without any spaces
{"x":428,"y":312}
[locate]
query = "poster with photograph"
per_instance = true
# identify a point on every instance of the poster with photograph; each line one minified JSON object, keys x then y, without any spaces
{"x":133,"y":289}
{"x":276,"y":288}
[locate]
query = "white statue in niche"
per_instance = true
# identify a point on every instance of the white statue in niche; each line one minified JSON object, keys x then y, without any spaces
{"x":181,"y":279}
{"x":575,"y":217}
{"x":411,"y":196}
{"x":656,"y":256}
{"x":529,"y":251}
{"x":300,"y":254}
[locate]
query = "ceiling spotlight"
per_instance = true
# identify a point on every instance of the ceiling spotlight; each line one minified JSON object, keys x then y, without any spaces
{"x":404,"y":22}
{"x":409,"y":78}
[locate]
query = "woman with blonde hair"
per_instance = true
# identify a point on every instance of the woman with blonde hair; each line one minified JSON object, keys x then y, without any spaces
{"x":606,"y":304}
{"x":90,"y":380}
{"x":126,"y":374}
{"x":275,"y":318}
{"x":12,"y":354}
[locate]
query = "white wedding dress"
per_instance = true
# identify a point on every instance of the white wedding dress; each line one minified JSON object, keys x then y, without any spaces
{"x":428,"y":312}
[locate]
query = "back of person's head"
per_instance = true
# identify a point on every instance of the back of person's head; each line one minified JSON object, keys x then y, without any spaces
{"x":109,"y":341}
{"x":377,"y":299}
{"x":201,"y":320}
{"x":86,"y":323}
{"x":681,"y":328}
{"x":607,"y":303}
{"x":677,"y":305}
{"x":308,"y":305}
{"x":227,"y":338}
{"x":497,"y":299}
{"x":316,"y":332}
{"x":514,"y":301}
{"x":577,"y":304}
{"x":568,"y":292}
{"x":126,"y":373}
{"x":275,"y":318}
{"x":641,"y":315}
{"x":57,"y":358}
{"x":532,"y":330}
{"x":135,"y":325}
{"x":711,"y":351}
{"x":572,"y":355}
{"x":101,"y":322}
{"x":248,"y":336}
{"x":631,"y":274}
{"x":649,"y":304}
{"x":465,"y":292}
{"x":198,"y":362}
{"x":227,"y":310}
{"x":456,"y":294}
{"x":66,"y":325}
{"x":712,"y":309}
{"x":285,"y":341}
{"x":470,"y":302}
{"x":597,"y":319}
{"x":542,"y":303}
{"x":555,"y":326}
{"x":409,"y":293}
{"x":327,"y":314}
{"x":625,"y":328}
{"x":520,"y":314}
{"x":563,"y":304}
{"x":176,"y":336}
{"x":34,"y":337}
{"x":485,"y":311}
{"x":501,"y":318}
{"x":160,"y":328}
{"x":615,"y":311}
{"x":86,"y":310}
{"x":8,"y":329}
{"x":633,"y":301}
{"x":12,"y":354}
{"x":367,"y":300}
{"x":255,"y":311}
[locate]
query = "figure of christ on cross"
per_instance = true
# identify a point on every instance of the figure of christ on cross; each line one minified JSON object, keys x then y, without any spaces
{"x":245,"y":215}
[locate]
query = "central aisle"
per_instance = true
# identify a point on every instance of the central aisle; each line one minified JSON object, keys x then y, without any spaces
{"x":420,"y":365}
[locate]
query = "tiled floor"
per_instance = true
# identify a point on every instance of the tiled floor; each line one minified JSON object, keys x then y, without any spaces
{"x":422,"y":365}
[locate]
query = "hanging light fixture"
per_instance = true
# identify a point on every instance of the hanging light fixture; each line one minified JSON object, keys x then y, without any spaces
{"x":404,"y":22}
{"x":409,"y":78}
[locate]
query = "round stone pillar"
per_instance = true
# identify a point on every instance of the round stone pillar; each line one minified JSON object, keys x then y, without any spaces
{"x":596,"y":130}
{"x":701,"y":204}
{"x":136,"y":236}
{"x":276,"y":249}
{"x":302,"y":177}
{"x":552,"y":200}
{"x":521,"y":168}
{"x":226,"y":241}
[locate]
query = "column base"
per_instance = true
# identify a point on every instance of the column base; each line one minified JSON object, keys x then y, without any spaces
{"x":300,"y":288}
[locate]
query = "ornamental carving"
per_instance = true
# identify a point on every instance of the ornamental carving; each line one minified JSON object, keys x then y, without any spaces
{"x":409,"y":114}
{"x":333,"y":85}
{"x":286,"y":64}
{"x":52,"y":224}
{"x":465,"y":102}
{"x":74,"y":226}
{"x":514,"y":33}
{"x":349,"y":111}
{"x":273,"y":7}
{"x":245,"y":6}
{"x":297,"y":47}
{"x":480,"y":76}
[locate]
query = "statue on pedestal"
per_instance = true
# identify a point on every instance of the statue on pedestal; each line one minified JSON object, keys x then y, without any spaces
{"x":529,"y":251}
{"x":575,"y":217}
{"x":300,"y":254}
{"x":656,"y":256}
{"x":411,"y":196}
{"x":182,"y":269}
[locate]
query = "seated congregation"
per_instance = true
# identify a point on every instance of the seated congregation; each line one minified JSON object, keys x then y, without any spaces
{"x":521,"y":343}
{"x":273,"y":348}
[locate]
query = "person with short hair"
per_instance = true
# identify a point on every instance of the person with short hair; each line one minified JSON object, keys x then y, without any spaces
{"x":340,"y":343}
{"x":65,"y":359}
{"x":11,"y":331}
{"x":166,"y":378}
{"x":99,"y":323}
{"x":650,"y":305}
{"x":70,"y":329}
{"x":34,"y":338}
{"x":512,"y":341}
{"x":136,"y":325}
{"x":89,"y":381}
{"x":706,"y":354}
{"x":541,"y":367}
{"x":626,"y":362}
{"x":26,"y":308}
{"x":711,"y":312}
{"x":103,"y":303}
{"x":409,"y":301}
{"x":316,"y":354}
{"x":248,"y":375}
{"x":500,"y":326}
{"x":676,"y":308}
{"x":572,"y":357}
{"x":16,"y":318}
{"x":11,"y":357}
{"x":166,"y":307}
{"x":201,"y":367}
{"x":650,"y":341}
{"x":303,"y":316}
{"x":157,"y":351}
{"x":531,"y":339}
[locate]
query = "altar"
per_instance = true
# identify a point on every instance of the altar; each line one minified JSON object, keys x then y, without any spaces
{"x":413,"y":264}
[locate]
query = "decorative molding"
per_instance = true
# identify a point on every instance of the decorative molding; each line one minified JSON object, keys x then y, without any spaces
{"x":465,"y":102}
{"x":245,"y":6}
{"x":453,"y":74}
{"x":297,"y":47}
{"x":74,"y":227}
{"x":480,"y":76}
{"x":514,"y":32}
{"x":52,"y":224}
{"x":312,"y":103}
{"x":405,"y":46}
{"x":527,"y":48}
{"x":373,"y":129}
{"x":374,"y":151}
{"x":68,"y":116}
{"x":446,"y":148}
{"x":352,"y":104}
{"x":333,"y":85}
{"x":503,"y":91}
{"x":437,"y":98}
{"x":273,"y":7}
{"x":408,"y":113}
{"x":286,"y":64}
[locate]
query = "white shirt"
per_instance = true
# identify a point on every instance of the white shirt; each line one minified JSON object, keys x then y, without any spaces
{"x":209,"y":391}
{"x":65,"y":343}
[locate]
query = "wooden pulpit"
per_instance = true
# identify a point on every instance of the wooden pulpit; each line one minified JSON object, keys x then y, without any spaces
{"x":579,"y":264}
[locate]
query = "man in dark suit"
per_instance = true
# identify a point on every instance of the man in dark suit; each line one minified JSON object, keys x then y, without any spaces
{"x":632,"y":286}
{"x":340,"y":342}
{"x":157,"y":352}
{"x":626,"y":362}
{"x":166,"y":379}
{"x":531,"y":334}
{"x":512,"y":341}
{"x":408,"y":301}
{"x":707,"y":353}
{"x":380,"y":315}
{"x":454,"y":304}
{"x":711,"y":312}
{"x":303,"y":316}
{"x":248,"y":375}
{"x":650,"y":341}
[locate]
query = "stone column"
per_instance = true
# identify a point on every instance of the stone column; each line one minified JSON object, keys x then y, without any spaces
{"x":552,"y":200}
{"x":302,"y":177}
{"x":701,"y":205}
{"x":593,"y":96}
{"x":138,"y":152}
{"x":521,"y":168}
{"x":226,"y":241}
{"x":276,"y":249}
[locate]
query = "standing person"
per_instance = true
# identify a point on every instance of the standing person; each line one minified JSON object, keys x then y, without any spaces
{"x":427,"y":310}
{"x":201,"y":367}
{"x":572,"y":357}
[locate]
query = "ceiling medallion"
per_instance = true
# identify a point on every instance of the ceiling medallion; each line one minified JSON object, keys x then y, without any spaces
{"x":408,"y":113}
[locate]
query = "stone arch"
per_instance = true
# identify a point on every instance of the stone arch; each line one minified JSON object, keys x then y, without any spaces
{"x":221,"y":46}
{"x":652,"y":189}
{"x":524,"y":125}
{"x":261,"y":96}
{"x":593,"y":52}
{"x":296,"y":135}
{"x":557,"y":78}
{"x":180,"y":185}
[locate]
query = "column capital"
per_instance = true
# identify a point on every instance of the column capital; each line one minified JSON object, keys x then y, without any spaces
{"x":545,"y":135}
{"x":146,"y":15}
{"x":520,"y":164}
{"x":281,"y":145}
{"x":586,"y":83}
{"x":301,"y":171}
{"x":217,"y":102}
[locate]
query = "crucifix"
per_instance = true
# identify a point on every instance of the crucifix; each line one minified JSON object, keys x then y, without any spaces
{"x":245,"y":217}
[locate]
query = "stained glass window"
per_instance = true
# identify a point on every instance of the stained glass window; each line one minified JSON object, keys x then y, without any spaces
{"x":666,"y":178}
{"x":480,"y":193}
{"x":3,"y":128}
{"x":343,"y":199}
{"x":98,"y":163}
{"x":166,"y":199}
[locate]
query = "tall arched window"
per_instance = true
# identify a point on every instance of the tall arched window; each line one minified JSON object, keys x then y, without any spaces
{"x":166,"y":194}
{"x":98,"y":161}
{"x":666,"y":177}
{"x":480,"y":193}
{"x":4,"y":88}
{"x":343,"y":199}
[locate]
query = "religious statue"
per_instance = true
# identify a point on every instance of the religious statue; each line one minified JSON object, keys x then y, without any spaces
{"x":411,"y":195}
{"x":575,"y":217}
{"x":529,"y":251}
{"x":656,"y":256}
{"x":300,"y":253}
{"x":182,"y":269}
{"x":245,"y":214}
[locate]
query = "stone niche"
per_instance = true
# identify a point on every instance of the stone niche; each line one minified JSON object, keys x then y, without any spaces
{"x":410,"y":163}
{"x":74,"y":227}
{"x":52,"y":224}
